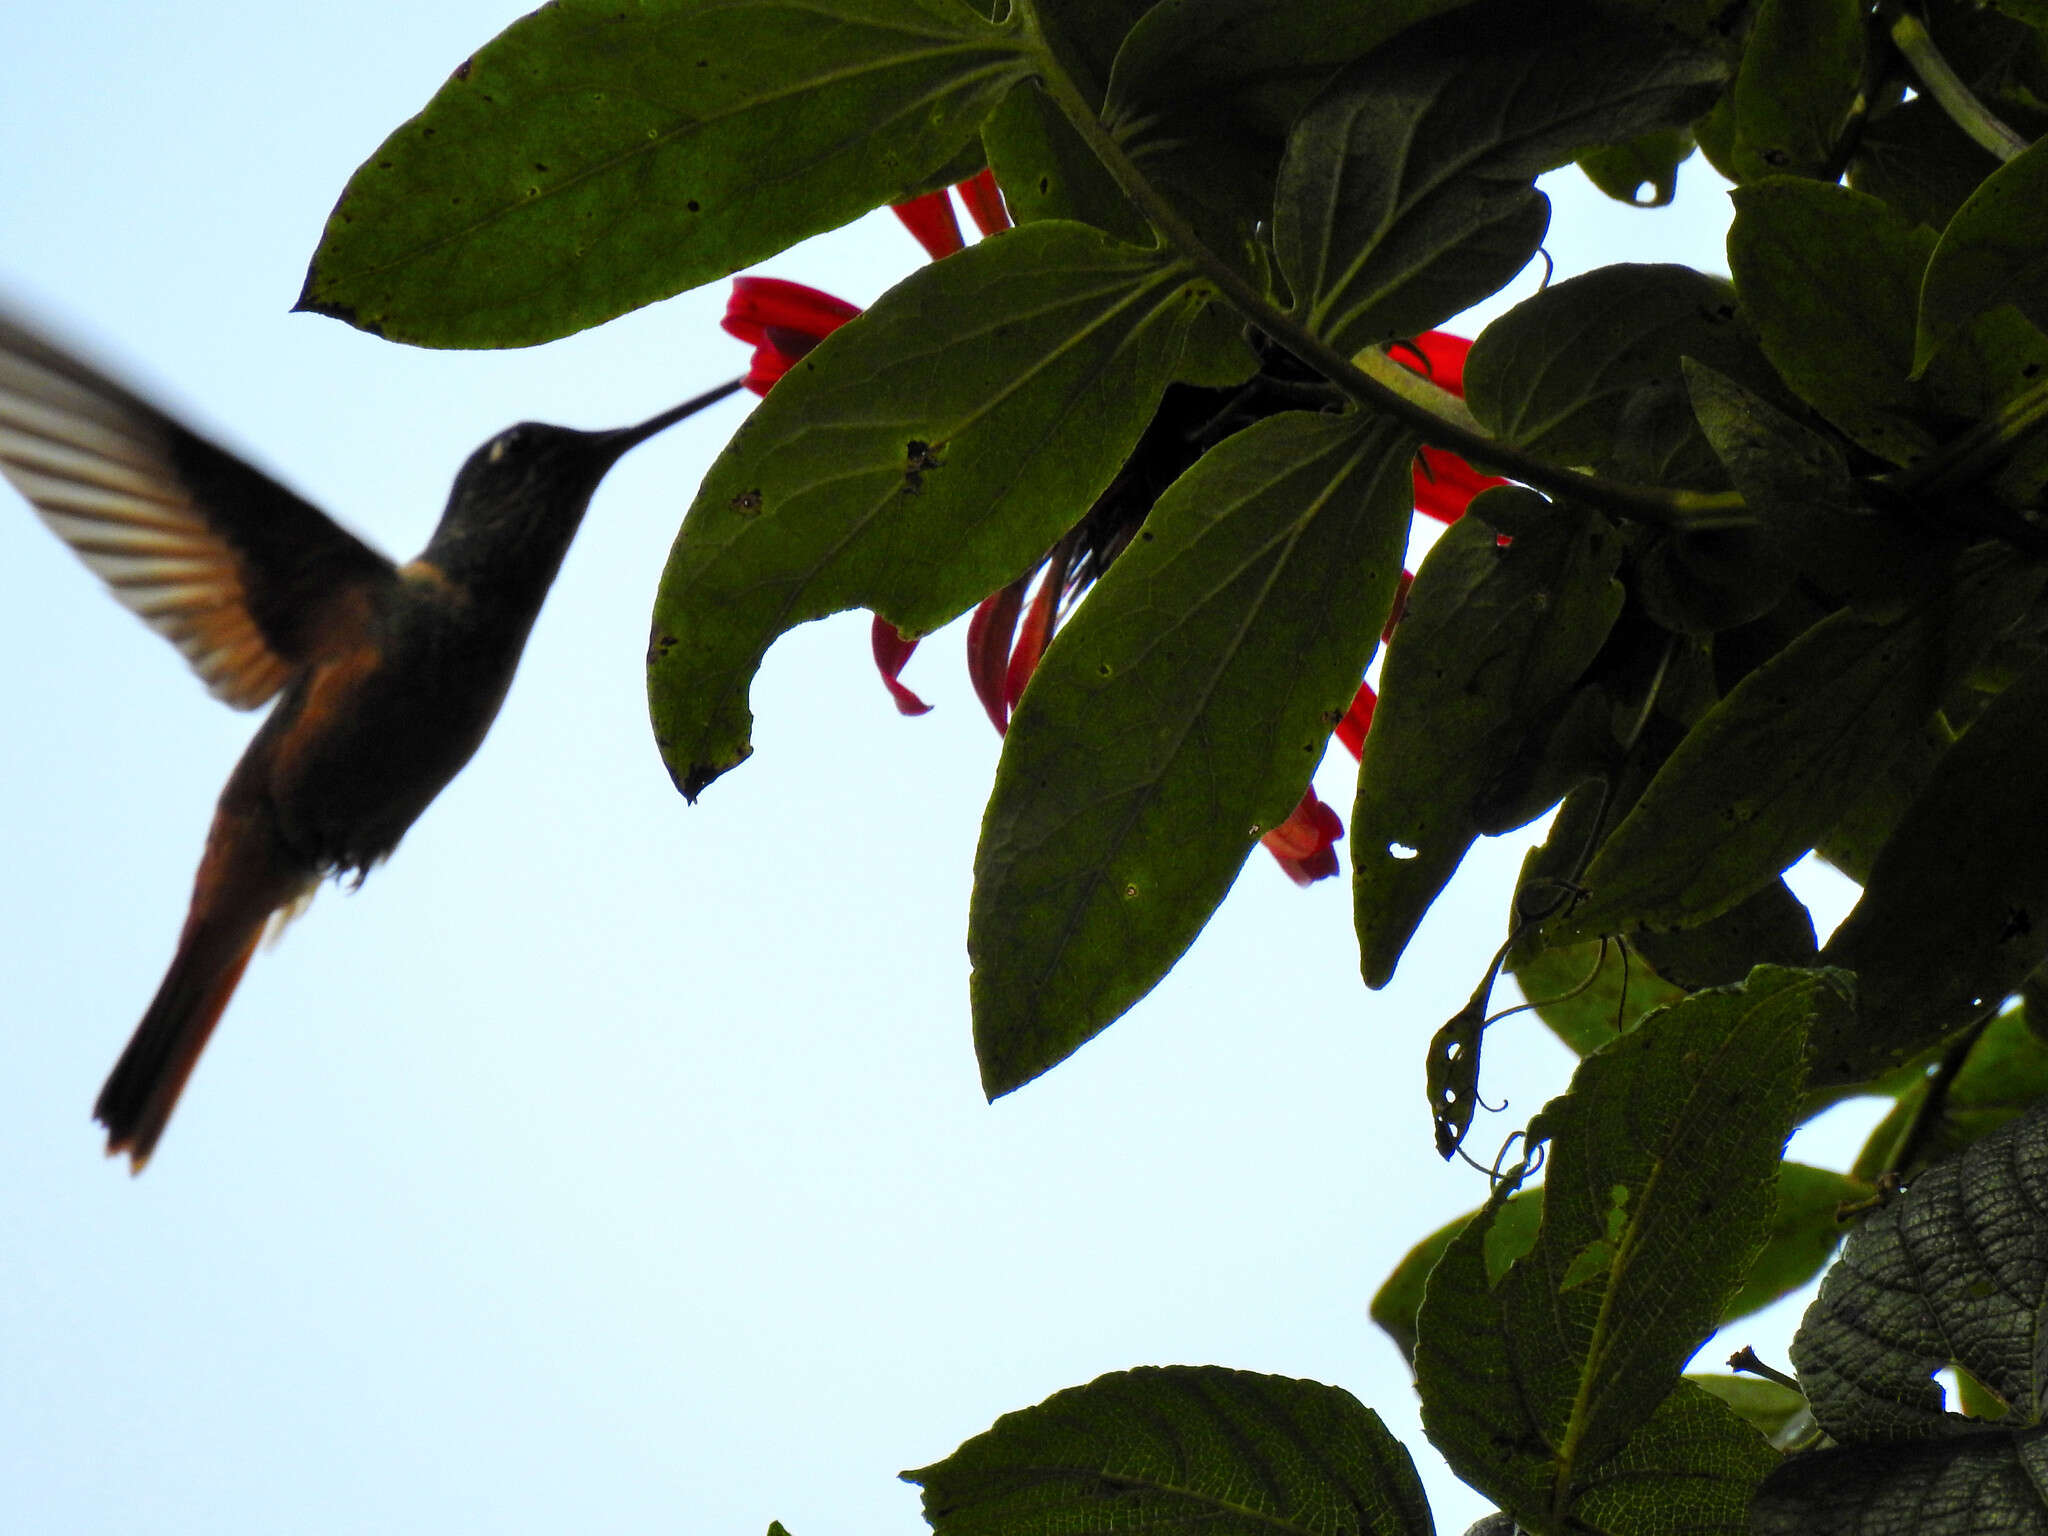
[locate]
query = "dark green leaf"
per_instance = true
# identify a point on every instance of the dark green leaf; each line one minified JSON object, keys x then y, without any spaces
{"x":1587,"y":1016}
{"x":1556,"y":372}
{"x":1956,"y":912}
{"x":1173,"y":721}
{"x":1407,"y":192}
{"x":1086,"y":35}
{"x":1181,"y":1449}
{"x":1046,"y":171}
{"x":1915,"y":158}
{"x":974,"y":413}
{"x":1770,"y":926}
{"x":1873,"y":815}
{"x":1840,"y":331}
{"x":1995,"y":251}
{"x":1765,"y":1406}
{"x":1399,"y":1299}
{"x":1650,"y":160}
{"x":1801,"y":74}
{"x":2004,"y":1074}
{"x":1805,"y":1231}
{"x":1799,"y":483}
{"x":1701,"y":582}
{"x":1492,"y":638}
{"x":1555,"y":1390}
{"x":1765,"y":775}
{"x":593,"y":158}
{"x":1956,"y":1269}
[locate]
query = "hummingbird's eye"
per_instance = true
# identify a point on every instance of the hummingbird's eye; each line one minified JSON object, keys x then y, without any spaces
{"x":505,"y":441}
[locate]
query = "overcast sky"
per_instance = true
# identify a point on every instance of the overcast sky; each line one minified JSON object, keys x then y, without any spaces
{"x":604,"y":1163}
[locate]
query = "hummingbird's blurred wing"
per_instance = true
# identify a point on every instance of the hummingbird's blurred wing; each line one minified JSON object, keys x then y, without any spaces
{"x":246,"y":579}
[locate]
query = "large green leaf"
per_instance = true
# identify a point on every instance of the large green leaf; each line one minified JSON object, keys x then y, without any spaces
{"x":1649,"y":160}
{"x":1915,"y":158}
{"x":922,"y":457}
{"x":1175,"y":720}
{"x":1047,"y":171}
{"x":1995,"y":251}
{"x":1559,"y":371}
{"x":1956,"y":911}
{"x":1954,"y":1270}
{"x":1587,"y":994}
{"x":1804,"y":1233}
{"x":596,"y":157}
{"x":1770,"y":926}
{"x":1555,"y":1389}
{"x":1839,"y":328}
{"x":1765,"y":775}
{"x":1493,"y":637}
{"x":1801,"y":75}
{"x":1174,"y":1449}
{"x":1407,"y":192}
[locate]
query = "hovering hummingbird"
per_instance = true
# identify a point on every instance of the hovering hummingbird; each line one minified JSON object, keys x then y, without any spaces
{"x":387,"y":676}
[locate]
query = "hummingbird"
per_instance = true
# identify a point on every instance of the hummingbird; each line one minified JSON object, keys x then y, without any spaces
{"x":386,"y":677}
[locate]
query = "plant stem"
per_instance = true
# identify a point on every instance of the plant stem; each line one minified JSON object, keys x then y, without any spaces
{"x":1947,"y":88}
{"x":1441,"y":419}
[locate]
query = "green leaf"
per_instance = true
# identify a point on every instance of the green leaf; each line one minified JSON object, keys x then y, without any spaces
{"x":2005,"y":1073}
{"x":1587,"y":1016}
{"x":1181,"y":1448}
{"x":1840,"y":331}
{"x":1874,"y":813}
{"x":1765,"y":775}
{"x":1493,"y":637}
{"x":1407,"y":192}
{"x":1805,"y":1231}
{"x":1650,"y":160}
{"x":1086,"y":36}
{"x":1956,"y":911}
{"x":1770,"y":926}
{"x":1564,"y":1405}
{"x":1803,"y":1236}
{"x":1815,"y":513}
{"x":1556,"y":373}
{"x":1915,"y":158}
{"x":1047,"y":171}
{"x":923,"y":456}
{"x":1174,"y":720}
{"x":1995,"y":251}
{"x":1765,"y":1406}
{"x":593,"y":158}
{"x":1801,"y":75}
{"x":1955,"y":1269}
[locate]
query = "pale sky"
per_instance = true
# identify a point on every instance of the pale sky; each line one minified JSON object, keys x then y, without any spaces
{"x":604,"y":1163}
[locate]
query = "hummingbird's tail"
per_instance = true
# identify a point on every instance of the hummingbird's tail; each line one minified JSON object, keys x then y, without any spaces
{"x":242,"y":880}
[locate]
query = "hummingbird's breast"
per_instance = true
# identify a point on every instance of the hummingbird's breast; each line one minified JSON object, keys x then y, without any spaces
{"x":366,"y":738}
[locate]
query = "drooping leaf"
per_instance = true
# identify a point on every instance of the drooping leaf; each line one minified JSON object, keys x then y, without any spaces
{"x":923,"y":456}
{"x":1407,"y":192}
{"x":1765,"y":1406}
{"x":593,"y":158}
{"x":1956,"y":911}
{"x":1174,"y":720}
{"x":1994,"y":251}
{"x":2005,"y":1073}
{"x":1841,"y":332}
{"x":1399,"y":1298}
{"x":1765,"y":775}
{"x":1182,"y":1449}
{"x":1492,"y":638}
{"x":1650,"y":160}
{"x":1555,"y":1390}
{"x":1802,"y":71}
{"x":1557,"y":372}
{"x":1955,"y":1269}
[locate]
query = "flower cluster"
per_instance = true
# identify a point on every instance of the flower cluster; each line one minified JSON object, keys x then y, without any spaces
{"x":783,"y":321}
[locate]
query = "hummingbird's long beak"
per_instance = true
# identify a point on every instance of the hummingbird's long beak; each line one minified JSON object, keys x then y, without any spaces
{"x":624,"y":438}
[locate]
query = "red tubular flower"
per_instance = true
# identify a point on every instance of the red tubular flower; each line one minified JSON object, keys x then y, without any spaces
{"x":930,"y":218}
{"x":1444,"y":483}
{"x":984,"y":200}
{"x":1358,"y":720}
{"x":1305,"y":843}
{"x":989,"y":634}
{"x":781,"y":321}
{"x":891,"y":652}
